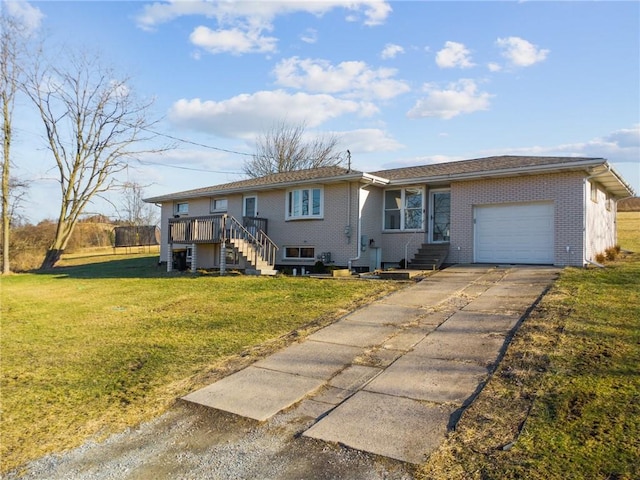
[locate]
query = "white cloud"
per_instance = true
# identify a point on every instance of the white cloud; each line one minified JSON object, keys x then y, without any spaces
{"x":354,"y":79}
{"x":520,"y":52}
{"x":494,"y":67}
{"x":243,"y":116}
{"x":30,"y":16}
{"x":458,"y":98}
{"x":391,"y":51}
{"x":310,"y":35}
{"x":233,"y":41}
{"x":241,"y":24}
{"x":453,"y":55}
{"x":375,"y":11}
{"x":621,"y":148}
{"x":626,"y":138}
{"x":367,"y":140}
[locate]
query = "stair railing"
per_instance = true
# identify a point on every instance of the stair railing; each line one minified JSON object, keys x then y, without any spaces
{"x":263,"y":248}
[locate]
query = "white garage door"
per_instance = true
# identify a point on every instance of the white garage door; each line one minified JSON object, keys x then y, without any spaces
{"x":514,"y":233}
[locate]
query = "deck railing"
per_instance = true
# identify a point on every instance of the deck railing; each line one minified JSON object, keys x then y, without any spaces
{"x":251,"y":239}
{"x":196,"y":229}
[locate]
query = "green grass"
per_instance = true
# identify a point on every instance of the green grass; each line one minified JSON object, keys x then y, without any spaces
{"x":565,"y":401}
{"x":108,"y":341}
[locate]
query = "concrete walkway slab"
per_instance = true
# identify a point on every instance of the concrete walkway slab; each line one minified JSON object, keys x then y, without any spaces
{"x":532,"y":275}
{"x":430,"y":379}
{"x":500,"y":304}
{"x":388,"y":377}
{"x":420,"y":297}
{"x":311,"y":359}
{"x":407,"y":339}
{"x":480,"y":348}
{"x":358,"y":334}
{"x":531,"y":292}
{"x":354,"y":377}
{"x":255,"y":393}
{"x":478,"y":322}
{"x":385,"y":314}
{"x":383,"y":427}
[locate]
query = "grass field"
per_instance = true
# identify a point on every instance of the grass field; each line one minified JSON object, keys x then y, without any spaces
{"x":108,"y":341}
{"x":565,"y":401}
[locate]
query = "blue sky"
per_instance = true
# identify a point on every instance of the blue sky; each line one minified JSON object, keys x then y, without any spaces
{"x":399,"y":83}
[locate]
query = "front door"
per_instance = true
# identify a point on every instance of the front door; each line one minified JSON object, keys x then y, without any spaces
{"x":250,"y":206}
{"x":439,"y":216}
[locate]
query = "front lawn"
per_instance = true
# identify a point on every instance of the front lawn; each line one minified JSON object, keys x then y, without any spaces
{"x":113,"y":340}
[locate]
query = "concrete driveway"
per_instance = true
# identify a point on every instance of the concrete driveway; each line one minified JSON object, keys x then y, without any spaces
{"x":391,"y":378}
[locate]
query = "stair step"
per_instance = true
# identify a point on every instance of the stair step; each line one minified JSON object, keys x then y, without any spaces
{"x":429,"y":257}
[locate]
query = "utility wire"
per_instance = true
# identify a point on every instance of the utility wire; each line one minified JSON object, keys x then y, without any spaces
{"x":177,"y":139}
{"x":147,"y":162}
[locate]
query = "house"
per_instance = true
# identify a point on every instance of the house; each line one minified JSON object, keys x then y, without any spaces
{"x":495,"y":210}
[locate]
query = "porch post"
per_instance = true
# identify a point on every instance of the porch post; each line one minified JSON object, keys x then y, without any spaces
{"x":170,"y":257}
{"x":223,"y":258}
{"x":194,"y":257}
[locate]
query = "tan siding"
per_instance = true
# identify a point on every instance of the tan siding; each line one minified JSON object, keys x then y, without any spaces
{"x":325,"y":235}
{"x":600,"y":222}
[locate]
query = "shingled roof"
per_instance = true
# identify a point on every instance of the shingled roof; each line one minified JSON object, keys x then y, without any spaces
{"x":434,"y":173}
{"x":275,"y":180}
{"x":483,"y":165}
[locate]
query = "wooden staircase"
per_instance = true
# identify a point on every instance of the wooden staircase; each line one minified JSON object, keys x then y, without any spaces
{"x":258,"y":251}
{"x":430,"y":256}
{"x":253,"y":257}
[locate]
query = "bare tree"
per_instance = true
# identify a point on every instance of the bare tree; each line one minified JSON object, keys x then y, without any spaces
{"x":13,"y":35}
{"x":136,"y":211}
{"x":94,"y":124}
{"x":285,"y":148}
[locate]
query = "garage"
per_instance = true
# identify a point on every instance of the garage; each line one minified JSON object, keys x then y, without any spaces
{"x":514,"y":233}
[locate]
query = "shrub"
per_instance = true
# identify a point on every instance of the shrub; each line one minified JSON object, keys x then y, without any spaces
{"x":610,"y":253}
{"x":600,"y":258}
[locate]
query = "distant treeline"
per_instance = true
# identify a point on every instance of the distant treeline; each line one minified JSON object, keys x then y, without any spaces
{"x":29,"y":242}
{"x":629,"y":205}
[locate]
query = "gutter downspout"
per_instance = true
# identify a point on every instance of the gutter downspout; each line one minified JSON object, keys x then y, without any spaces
{"x":357,"y":242}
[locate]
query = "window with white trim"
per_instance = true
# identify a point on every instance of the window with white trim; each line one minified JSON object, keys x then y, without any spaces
{"x":299,"y":253}
{"x":218,"y":205}
{"x":305,"y":203}
{"x":404,"y":209}
{"x":181,"y":208}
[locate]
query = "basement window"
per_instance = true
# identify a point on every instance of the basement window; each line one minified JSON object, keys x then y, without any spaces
{"x":299,"y":253}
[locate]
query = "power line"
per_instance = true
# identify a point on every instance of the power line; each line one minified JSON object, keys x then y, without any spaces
{"x":178,"y":139}
{"x":147,"y":162}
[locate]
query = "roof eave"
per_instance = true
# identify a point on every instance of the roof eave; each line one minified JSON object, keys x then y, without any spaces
{"x":504,"y":172}
{"x":351,"y":176}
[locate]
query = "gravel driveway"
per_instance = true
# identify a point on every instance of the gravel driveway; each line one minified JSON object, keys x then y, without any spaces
{"x":194,"y":442}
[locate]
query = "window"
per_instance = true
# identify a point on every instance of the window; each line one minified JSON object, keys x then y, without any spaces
{"x":404,"y":209}
{"x":299,"y":253}
{"x":304,"y":203}
{"x":594,"y":192}
{"x":182,"y":207}
{"x":218,"y":205}
{"x":250,"y":206}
